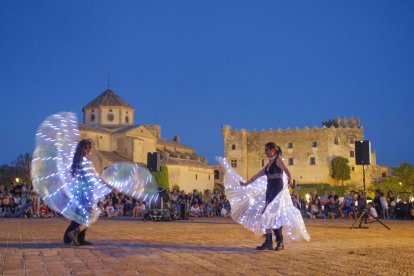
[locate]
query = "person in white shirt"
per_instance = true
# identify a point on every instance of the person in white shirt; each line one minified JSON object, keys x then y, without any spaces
{"x":372,"y":212}
{"x":384,"y":205}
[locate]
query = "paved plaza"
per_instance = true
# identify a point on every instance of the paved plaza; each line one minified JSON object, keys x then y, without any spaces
{"x":203,"y":247}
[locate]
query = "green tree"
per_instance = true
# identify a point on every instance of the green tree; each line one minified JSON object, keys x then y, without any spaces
{"x":22,"y":166}
{"x":404,"y":173}
{"x":340,"y":169}
{"x":7,"y":175}
{"x":161,"y":177}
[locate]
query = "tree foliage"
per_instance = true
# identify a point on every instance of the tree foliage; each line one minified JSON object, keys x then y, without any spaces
{"x":161,"y":177}
{"x":22,"y":166}
{"x":340,"y":169}
{"x":404,"y":173}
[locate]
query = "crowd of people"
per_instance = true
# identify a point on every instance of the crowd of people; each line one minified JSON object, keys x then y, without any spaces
{"x":351,"y":206}
{"x":19,"y":200}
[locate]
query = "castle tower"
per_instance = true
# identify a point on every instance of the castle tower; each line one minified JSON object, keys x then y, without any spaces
{"x":108,"y":109}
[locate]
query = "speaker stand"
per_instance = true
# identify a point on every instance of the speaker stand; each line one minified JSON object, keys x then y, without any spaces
{"x":365,"y":213}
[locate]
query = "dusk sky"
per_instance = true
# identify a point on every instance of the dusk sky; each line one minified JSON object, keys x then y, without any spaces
{"x":193,"y":66}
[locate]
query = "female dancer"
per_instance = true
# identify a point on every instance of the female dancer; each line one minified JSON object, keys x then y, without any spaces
{"x":66,"y":179}
{"x":85,"y":180}
{"x":263,"y":203}
{"x":274,"y":172}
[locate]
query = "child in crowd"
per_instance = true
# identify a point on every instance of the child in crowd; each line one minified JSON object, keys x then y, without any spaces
{"x":372,"y":211}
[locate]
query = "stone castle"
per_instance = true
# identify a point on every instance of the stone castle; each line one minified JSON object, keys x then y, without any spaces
{"x":307,"y":152}
{"x":109,"y":122}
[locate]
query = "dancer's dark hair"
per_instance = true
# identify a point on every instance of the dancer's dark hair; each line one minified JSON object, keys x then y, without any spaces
{"x":79,"y":154}
{"x":277,"y":149}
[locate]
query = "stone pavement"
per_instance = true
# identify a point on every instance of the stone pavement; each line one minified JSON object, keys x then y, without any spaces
{"x":203,"y":247}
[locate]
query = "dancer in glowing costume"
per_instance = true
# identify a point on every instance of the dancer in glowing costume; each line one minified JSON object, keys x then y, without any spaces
{"x":263,"y":203}
{"x":65,"y":178}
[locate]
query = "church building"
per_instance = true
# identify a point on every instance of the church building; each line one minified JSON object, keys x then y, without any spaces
{"x":109,"y":122}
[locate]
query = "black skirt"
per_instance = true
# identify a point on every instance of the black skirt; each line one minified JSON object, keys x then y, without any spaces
{"x":274,"y":187}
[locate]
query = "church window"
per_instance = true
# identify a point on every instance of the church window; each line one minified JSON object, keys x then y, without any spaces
{"x":314,"y":144}
{"x":126,"y":119}
{"x":312,"y":161}
{"x":290,"y":162}
{"x":262,"y":162}
{"x":353,"y":168}
{"x":216,"y":174}
{"x":233,"y":147}
{"x":110,"y":117}
{"x":92,"y":117}
{"x":336,"y":141}
{"x":352,"y":153}
{"x":233,"y":163}
{"x":290,"y":145}
{"x":196,"y":176}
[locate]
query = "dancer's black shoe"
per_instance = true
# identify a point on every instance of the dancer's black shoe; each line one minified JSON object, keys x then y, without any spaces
{"x":268,"y":244}
{"x":73,"y":235}
{"x":279,"y":246}
{"x":86,"y":243}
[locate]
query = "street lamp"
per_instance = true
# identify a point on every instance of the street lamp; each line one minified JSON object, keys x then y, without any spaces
{"x":17,"y":180}
{"x":400,"y":183}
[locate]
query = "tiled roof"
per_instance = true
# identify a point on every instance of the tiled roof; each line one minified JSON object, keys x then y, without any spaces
{"x":113,"y":156}
{"x":184,"y":162}
{"x":166,"y":142}
{"x":108,"y":98}
{"x":107,"y":128}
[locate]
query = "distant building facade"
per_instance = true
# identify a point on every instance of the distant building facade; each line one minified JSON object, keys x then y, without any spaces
{"x":308,"y":152}
{"x":109,"y":122}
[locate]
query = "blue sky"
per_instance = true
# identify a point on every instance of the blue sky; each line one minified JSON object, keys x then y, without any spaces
{"x":192,"y":66}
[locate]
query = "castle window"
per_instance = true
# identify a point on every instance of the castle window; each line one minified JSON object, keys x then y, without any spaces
{"x":312,"y":161}
{"x":352,"y":153}
{"x":290,"y":162}
{"x":110,"y":110}
{"x":216,"y":174}
{"x":110,"y":117}
{"x":314,"y":144}
{"x":126,"y":119}
{"x":384,"y":174}
{"x":336,"y":141}
{"x":196,"y":176}
{"x":352,"y":140}
{"x":92,"y":117}
{"x":233,"y":147}
{"x":290,"y":145}
{"x":233,"y":163}
{"x":353,"y":168}
{"x":262,"y":162}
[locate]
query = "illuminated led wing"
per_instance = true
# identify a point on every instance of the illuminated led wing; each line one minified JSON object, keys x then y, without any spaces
{"x":56,"y":141}
{"x":132,"y":179}
{"x":248,"y":203}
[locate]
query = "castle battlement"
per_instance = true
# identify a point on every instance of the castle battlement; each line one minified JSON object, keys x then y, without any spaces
{"x":343,"y":123}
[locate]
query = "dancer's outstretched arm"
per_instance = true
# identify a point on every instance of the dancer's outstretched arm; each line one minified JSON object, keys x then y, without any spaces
{"x":251,"y":180}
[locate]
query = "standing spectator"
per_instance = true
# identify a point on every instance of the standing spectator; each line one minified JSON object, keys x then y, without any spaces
{"x":362,"y":200}
{"x":295,"y":199}
{"x":377,"y":202}
{"x":101,"y":208}
{"x":174,"y":202}
{"x":391,"y":204}
{"x":207,"y":198}
{"x":384,"y":205}
{"x":128,"y":206}
{"x":182,"y":200}
{"x":35,"y":203}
